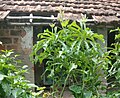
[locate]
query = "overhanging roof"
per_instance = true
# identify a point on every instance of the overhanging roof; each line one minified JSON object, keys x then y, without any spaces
{"x":102,"y":10}
{"x":3,"y":14}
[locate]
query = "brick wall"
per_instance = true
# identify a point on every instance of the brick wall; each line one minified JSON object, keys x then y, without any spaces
{"x":12,"y":38}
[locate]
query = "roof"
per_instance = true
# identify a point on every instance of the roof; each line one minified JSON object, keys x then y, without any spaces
{"x":99,"y":10}
{"x":3,"y":14}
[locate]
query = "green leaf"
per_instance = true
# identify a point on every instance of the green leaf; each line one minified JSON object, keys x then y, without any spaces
{"x":16,"y":92}
{"x":100,"y":37}
{"x":78,"y":46}
{"x":32,"y":85}
{"x":74,"y":24}
{"x":52,"y":25}
{"x":86,"y":45}
{"x":42,"y":56}
{"x":64,"y":23}
{"x":37,"y":93}
{"x":115,"y":30}
{"x":7,"y":88}
{"x":55,"y":30}
{"x":45,"y":45}
{"x":117,"y":36}
{"x":9,"y":53}
{"x":73,"y":44}
{"x":88,"y":94}
{"x":25,"y":66}
{"x":72,"y":66}
{"x":52,"y":73}
{"x":2,"y":77}
{"x":64,"y":45}
{"x":75,"y":88}
{"x":40,"y":88}
{"x":46,"y":35}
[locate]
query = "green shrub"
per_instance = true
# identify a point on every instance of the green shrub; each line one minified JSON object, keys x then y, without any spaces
{"x":74,"y":57}
{"x":114,"y":67}
{"x":12,"y":81}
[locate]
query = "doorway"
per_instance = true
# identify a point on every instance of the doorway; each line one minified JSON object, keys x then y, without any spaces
{"x":40,"y":68}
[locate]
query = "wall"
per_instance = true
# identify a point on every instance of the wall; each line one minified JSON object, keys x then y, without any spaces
{"x":102,"y":29}
{"x":20,"y":39}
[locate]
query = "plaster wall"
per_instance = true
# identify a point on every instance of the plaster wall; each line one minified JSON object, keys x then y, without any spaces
{"x":26,"y":45}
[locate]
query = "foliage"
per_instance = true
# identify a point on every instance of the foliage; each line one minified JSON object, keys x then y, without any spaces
{"x":114,"y":66}
{"x":12,"y":81}
{"x":74,"y":57}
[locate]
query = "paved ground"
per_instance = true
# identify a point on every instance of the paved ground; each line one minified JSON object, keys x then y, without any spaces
{"x":67,"y":94}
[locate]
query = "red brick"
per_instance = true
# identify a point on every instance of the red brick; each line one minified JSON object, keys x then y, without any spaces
{"x":11,"y":27}
{"x":15,"y":32}
{"x":2,"y":47}
{"x":16,"y":40}
{"x":4,"y":32}
{"x":6,"y":40}
{"x":9,"y":47}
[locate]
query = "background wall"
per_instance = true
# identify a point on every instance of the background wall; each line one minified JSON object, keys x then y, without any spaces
{"x":20,"y":39}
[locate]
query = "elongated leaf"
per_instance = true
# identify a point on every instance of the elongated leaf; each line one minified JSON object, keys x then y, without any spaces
{"x":73,"y":44}
{"x":52,"y":25}
{"x":42,"y":56}
{"x":74,"y":24}
{"x":55,"y":30}
{"x":16,"y":92}
{"x":2,"y":76}
{"x":73,"y":29}
{"x":25,"y":66}
{"x":99,"y":37}
{"x":46,"y":44}
{"x":78,"y":46}
{"x":46,"y":34}
{"x":7,"y":88}
{"x":32,"y":85}
{"x":64,"y":23}
{"x":86,"y":45}
{"x":117,"y":36}
{"x":64,"y":45}
{"x":72,"y":66}
{"x":41,"y":88}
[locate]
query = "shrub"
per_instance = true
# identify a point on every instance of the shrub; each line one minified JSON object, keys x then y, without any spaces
{"x":12,"y":81}
{"x":114,"y":67}
{"x":74,"y":57}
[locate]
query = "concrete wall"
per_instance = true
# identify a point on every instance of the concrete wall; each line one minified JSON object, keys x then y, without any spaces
{"x":21,"y":40}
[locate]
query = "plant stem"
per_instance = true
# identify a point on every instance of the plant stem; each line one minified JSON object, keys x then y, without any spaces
{"x":75,"y":78}
{"x":61,"y":94}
